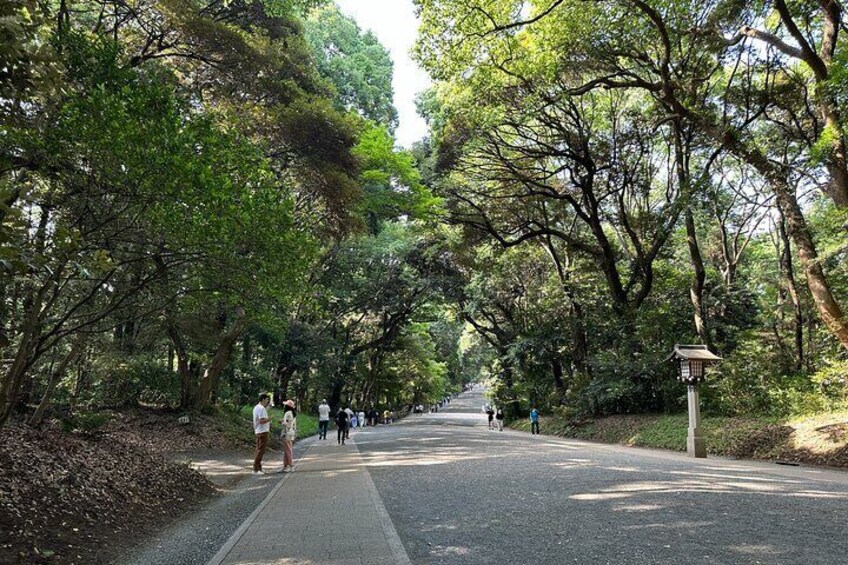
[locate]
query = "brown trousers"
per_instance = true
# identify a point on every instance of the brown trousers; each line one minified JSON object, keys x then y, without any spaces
{"x":261,"y":446}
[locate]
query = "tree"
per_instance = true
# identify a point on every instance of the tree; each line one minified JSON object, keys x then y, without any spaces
{"x":357,"y":65}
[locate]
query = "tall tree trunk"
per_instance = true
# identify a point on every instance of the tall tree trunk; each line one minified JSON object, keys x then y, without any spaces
{"x":696,"y":290}
{"x":829,"y":309}
{"x":788,"y":271}
{"x":184,"y":369}
{"x":55,"y":377}
{"x":580,"y":338}
{"x":12,"y":379}
{"x":559,"y":382}
{"x":219,"y":361}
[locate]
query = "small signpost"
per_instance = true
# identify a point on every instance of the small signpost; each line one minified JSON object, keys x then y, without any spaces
{"x":691,"y":361}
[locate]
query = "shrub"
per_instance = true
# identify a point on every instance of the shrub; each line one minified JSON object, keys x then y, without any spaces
{"x":85,"y":422}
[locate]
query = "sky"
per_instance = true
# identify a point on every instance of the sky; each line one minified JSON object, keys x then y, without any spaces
{"x":394,"y":24}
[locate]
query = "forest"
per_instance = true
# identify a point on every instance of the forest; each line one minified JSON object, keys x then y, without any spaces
{"x":203,"y":200}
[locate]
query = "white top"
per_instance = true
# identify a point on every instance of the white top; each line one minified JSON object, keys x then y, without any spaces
{"x":259,"y":412}
{"x":323,"y":412}
{"x":349,"y":412}
{"x":291,"y":426}
{"x":361,"y":415}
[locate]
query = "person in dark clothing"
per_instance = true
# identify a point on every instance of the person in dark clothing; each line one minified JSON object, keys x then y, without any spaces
{"x":491,"y":414}
{"x":341,"y":426}
{"x":499,"y":416}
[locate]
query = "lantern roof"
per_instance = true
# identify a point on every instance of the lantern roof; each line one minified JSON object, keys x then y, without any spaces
{"x":692,"y":353}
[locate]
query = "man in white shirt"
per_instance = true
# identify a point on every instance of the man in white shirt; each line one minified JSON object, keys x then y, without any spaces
{"x":262,"y":429}
{"x":323,"y":419}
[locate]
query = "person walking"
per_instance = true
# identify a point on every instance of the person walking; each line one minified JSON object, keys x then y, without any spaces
{"x":491,"y":416}
{"x":499,"y":418}
{"x":534,"y":421}
{"x":289,"y":434}
{"x":261,"y":429}
{"x":361,"y":418}
{"x":323,"y":419}
{"x":349,"y":413}
{"x":354,"y":419}
{"x":341,"y":426}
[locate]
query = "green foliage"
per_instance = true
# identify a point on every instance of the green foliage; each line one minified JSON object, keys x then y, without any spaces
{"x":121,"y":381}
{"x":357,"y":65}
{"x":85,"y":422}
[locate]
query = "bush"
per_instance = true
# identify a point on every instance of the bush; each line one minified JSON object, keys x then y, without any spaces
{"x":85,"y":422}
{"x":127,"y":381}
{"x":832,"y":381}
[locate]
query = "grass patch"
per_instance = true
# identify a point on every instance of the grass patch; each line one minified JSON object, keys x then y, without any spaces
{"x":821,"y":439}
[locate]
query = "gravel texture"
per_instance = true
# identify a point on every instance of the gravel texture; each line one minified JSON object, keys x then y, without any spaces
{"x":461,"y":494}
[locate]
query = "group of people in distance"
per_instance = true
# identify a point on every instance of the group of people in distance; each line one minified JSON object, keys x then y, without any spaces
{"x":496,"y":418}
{"x":345,"y":419}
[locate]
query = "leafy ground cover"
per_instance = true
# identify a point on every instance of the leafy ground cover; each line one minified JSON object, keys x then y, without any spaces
{"x":817,"y":440}
{"x":69,"y":491}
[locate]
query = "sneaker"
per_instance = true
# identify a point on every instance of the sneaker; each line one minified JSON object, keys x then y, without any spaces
{"x":259,"y":472}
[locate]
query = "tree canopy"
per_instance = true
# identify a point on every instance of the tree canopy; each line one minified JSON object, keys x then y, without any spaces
{"x":204,"y":200}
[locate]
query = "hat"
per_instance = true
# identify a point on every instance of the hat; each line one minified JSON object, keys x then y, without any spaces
{"x":289,"y":403}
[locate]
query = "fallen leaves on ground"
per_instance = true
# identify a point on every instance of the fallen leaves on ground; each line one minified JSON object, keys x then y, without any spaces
{"x":68,"y":497}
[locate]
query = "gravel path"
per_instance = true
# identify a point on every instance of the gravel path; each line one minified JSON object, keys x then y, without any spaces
{"x":460,"y":494}
{"x":195,"y":538}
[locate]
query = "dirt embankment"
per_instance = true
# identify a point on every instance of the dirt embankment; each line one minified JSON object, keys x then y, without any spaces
{"x":76,"y":497}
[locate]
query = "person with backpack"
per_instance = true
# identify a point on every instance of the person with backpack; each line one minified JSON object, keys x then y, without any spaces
{"x":341,"y":426}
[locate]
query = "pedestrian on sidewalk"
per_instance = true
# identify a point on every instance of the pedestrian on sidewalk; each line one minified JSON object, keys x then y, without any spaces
{"x":261,"y":428}
{"x":534,"y":421}
{"x":289,"y":434}
{"x":361,"y":417}
{"x":354,"y":419}
{"x":323,"y":419}
{"x":349,"y":413}
{"x":499,"y":417}
{"x":490,"y":414}
{"x":341,"y":426}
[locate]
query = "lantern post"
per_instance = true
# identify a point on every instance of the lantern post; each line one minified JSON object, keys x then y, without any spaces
{"x":691,"y":361}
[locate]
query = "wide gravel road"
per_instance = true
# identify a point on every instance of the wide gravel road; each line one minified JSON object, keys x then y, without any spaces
{"x":460,"y":494}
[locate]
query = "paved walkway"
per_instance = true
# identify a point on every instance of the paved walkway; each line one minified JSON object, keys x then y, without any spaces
{"x":327,"y":512}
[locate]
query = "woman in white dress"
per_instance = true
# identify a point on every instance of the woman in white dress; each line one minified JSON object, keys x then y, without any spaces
{"x":289,"y":434}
